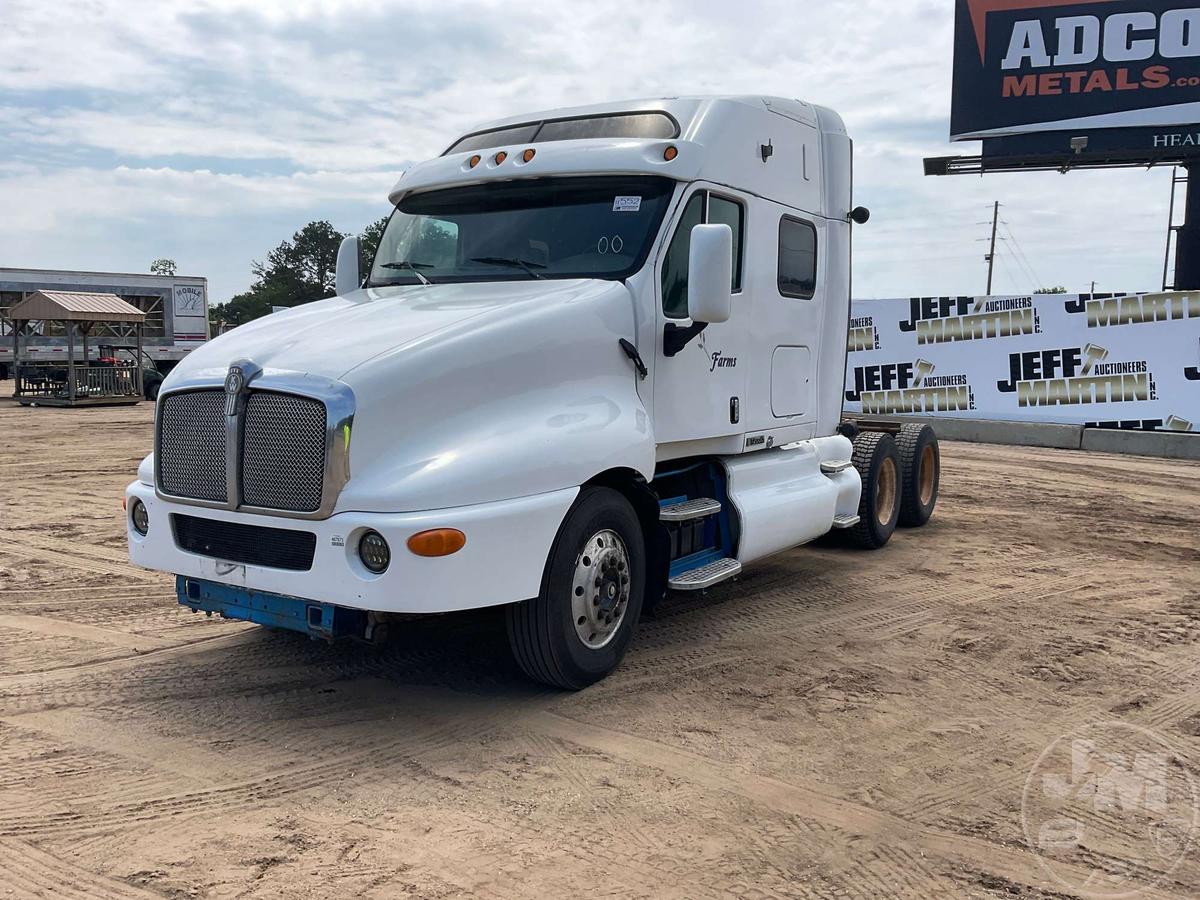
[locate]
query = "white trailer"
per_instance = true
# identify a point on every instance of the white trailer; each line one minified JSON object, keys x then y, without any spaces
{"x":599,"y":355}
{"x":176,"y":308}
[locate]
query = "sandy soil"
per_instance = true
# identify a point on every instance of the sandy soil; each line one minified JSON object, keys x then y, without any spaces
{"x":835,"y":724}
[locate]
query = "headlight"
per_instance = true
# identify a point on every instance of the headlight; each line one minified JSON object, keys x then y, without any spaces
{"x":140,"y":516}
{"x":374,"y":552}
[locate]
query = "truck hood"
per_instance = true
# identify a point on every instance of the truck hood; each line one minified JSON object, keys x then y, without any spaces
{"x":332,"y":337}
{"x":464,"y":393}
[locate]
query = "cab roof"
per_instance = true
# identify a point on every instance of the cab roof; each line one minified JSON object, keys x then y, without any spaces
{"x":770,"y":146}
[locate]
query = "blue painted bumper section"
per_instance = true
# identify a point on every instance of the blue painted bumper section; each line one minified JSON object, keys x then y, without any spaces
{"x":320,"y":620}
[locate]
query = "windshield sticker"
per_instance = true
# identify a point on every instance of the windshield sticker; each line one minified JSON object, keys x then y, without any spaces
{"x":627,"y":204}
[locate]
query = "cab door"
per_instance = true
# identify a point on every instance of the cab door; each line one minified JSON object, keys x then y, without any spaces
{"x":698,"y":391}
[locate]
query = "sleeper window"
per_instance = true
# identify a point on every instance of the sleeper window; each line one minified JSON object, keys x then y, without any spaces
{"x":797,"y":259}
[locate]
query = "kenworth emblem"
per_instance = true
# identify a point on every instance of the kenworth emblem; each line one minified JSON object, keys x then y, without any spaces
{"x":236,"y":380}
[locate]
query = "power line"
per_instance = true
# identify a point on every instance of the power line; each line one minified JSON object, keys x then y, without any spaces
{"x":1008,"y":270}
{"x":1024,"y":256}
{"x":1024,"y":269}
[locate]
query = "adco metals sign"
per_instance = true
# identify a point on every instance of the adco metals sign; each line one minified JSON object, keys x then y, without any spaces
{"x":1027,"y":66}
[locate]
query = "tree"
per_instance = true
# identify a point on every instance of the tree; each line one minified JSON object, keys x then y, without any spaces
{"x":163,"y":266}
{"x":1051,"y":290}
{"x":369,"y":242}
{"x":297,"y":271}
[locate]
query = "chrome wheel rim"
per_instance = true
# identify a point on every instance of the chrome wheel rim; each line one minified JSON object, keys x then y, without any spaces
{"x":600,"y":589}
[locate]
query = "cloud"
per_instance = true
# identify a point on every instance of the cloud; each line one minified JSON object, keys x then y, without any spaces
{"x":214,"y":128}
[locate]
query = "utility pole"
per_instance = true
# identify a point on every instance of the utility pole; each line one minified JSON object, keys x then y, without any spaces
{"x":1187,"y":239}
{"x":991,"y":257}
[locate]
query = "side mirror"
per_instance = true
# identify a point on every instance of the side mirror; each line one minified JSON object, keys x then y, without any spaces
{"x":710,"y":273}
{"x":347,"y":278}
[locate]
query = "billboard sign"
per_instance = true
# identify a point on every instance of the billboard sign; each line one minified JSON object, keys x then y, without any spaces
{"x":1101,"y":360}
{"x":1023,"y":67}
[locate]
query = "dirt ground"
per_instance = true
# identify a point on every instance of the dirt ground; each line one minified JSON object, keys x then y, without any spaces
{"x":834,"y":724}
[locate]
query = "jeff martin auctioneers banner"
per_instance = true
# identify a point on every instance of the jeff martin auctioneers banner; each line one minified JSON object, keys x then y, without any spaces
{"x":1102,"y":360}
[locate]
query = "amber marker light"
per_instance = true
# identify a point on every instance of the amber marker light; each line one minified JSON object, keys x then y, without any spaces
{"x":475,"y":160}
{"x":670,"y":153}
{"x":528,"y":154}
{"x":438,"y":542}
{"x":501,"y":157}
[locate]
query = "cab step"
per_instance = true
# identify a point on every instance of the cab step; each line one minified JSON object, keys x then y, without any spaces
{"x":705,"y":576}
{"x":832,"y":468}
{"x":846,"y":521}
{"x":689,"y":510}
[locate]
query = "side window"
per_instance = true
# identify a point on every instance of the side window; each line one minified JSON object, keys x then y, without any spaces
{"x":729,"y":212}
{"x":703,"y":208}
{"x":675,"y":266}
{"x":797,"y":258}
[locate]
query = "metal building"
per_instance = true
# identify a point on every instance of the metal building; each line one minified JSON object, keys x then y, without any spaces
{"x":176,"y":309}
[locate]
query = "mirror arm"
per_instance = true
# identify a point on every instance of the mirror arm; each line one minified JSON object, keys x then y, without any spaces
{"x":676,"y":337}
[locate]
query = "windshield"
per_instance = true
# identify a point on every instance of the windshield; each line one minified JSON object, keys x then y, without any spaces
{"x":599,"y":227}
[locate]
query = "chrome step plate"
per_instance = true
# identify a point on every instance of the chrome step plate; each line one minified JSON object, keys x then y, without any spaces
{"x":832,"y":468}
{"x":706,"y":576}
{"x":700,"y":508}
{"x":846,"y":521}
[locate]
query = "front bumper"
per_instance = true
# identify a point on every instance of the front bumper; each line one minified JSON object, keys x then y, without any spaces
{"x":508,"y":543}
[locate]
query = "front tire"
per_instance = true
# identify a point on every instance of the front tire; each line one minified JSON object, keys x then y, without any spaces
{"x":581,"y":623}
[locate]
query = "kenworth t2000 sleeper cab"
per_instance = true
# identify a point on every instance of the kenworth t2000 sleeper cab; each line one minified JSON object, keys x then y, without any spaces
{"x":598,"y":355}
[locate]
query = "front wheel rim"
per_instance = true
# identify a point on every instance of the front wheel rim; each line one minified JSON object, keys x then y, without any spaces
{"x":600,"y":589}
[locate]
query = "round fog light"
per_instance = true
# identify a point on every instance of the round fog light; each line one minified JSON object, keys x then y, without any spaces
{"x":374,"y":552}
{"x":140,"y":516}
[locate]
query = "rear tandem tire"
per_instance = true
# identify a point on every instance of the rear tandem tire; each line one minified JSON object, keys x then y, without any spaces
{"x":877,"y":459}
{"x":589,"y":577}
{"x":921,"y":468}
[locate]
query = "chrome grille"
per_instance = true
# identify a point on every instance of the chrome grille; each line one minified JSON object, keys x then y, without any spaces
{"x":191,"y":450}
{"x":283,"y":452}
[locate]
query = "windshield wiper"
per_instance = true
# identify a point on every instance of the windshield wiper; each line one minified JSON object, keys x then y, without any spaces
{"x":512,"y":262}
{"x":414,"y":267}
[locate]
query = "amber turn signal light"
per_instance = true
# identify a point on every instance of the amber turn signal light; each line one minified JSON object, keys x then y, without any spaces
{"x":670,"y":153}
{"x":528,"y":154}
{"x":474,"y":161}
{"x":438,"y":542}
{"x":501,"y":157}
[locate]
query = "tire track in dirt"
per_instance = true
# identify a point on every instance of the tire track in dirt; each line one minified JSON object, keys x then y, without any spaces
{"x":281,"y":780}
{"x":64,"y":628}
{"x":34,"y":872}
{"x":43,"y":679}
{"x":84,"y":563}
{"x":1017,"y":865}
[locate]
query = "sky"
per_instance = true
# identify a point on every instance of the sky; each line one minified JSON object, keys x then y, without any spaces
{"x":209,"y":131}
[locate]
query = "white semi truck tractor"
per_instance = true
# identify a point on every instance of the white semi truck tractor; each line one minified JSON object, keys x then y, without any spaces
{"x":599,"y":355}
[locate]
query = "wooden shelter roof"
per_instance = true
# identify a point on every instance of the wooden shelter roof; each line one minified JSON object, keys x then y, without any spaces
{"x":71,"y":306}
